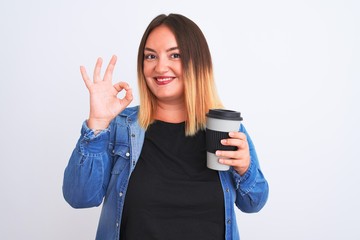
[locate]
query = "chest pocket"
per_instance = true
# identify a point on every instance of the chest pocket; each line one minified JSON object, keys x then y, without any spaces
{"x":121,"y":156}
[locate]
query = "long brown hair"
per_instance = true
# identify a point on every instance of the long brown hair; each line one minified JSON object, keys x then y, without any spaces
{"x":200,"y":90}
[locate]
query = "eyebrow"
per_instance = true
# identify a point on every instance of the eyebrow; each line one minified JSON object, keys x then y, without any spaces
{"x":168,"y":50}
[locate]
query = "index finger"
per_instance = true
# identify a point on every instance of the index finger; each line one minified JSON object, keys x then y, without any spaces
{"x":239,"y":135}
{"x":122,"y":85}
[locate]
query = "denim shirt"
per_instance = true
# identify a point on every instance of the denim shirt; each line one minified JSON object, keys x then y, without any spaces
{"x":100,"y":166}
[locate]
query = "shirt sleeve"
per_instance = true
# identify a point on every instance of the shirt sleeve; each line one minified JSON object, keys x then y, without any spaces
{"x":88,"y":171}
{"x":251,"y":188}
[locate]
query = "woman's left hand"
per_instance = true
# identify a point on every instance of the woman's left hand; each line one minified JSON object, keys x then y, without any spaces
{"x":238,"y":159}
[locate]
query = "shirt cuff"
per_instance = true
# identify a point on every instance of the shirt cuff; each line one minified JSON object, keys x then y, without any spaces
{"x":247,"y":181}
{"x":91,"y":143}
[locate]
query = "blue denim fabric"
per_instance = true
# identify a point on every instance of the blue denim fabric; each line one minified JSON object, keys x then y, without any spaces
{"x":100,"y":166}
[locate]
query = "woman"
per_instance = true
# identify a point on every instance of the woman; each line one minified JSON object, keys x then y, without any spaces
{"x":148,"y":163}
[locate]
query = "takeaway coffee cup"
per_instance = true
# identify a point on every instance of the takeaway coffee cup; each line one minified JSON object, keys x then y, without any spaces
{"x":219,"y":122}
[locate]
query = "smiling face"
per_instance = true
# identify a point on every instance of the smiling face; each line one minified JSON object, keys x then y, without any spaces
{"x":162,"y":66}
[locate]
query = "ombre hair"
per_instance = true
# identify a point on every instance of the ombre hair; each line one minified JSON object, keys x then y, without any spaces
{"x":200,"y":90}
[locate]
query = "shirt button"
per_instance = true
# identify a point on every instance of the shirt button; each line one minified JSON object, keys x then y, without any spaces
{"x":227,"y":190}
{"x":127,"y":154}
{"x":132,"y":135}
{"x":121,"y":194}
{"x":228,"y":221}
{"x":117,"y":224}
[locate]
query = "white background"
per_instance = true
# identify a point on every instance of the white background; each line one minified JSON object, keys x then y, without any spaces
{"x":290,"y":67}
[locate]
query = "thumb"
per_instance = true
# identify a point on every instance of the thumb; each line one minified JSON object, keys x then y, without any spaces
{"x":127,"y":99}
{"x":128,"y":92}
{"x":128,"y":96}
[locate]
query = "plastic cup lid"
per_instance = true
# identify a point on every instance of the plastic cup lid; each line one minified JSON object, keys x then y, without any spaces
{"x":224,"y":114}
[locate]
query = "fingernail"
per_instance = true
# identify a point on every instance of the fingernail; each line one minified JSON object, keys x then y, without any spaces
{"x":231,"y":134}
{"x":217,"y":153}
{"x":223,"y":141}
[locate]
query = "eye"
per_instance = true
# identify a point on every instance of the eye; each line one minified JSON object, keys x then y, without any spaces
{"x":175,"y":55}
{"x":149,"y":56}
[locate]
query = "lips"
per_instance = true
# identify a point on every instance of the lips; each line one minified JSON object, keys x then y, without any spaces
{"x":163,"y":80}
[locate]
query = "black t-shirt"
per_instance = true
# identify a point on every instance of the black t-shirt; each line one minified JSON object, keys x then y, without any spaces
{"x":171,"y":193}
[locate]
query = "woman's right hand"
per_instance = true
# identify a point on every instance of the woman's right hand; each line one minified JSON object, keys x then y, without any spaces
{"x":104,"y":103}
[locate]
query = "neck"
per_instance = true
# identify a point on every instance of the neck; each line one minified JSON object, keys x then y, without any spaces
{"x":173,"y":113}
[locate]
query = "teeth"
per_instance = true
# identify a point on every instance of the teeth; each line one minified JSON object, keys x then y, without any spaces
{"x":163,"y":79}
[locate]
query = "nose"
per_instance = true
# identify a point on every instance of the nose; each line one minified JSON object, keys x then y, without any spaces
{"x":162,"y":65}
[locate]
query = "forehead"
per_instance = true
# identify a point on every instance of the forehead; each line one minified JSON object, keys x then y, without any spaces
{"x":161,"y":37}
